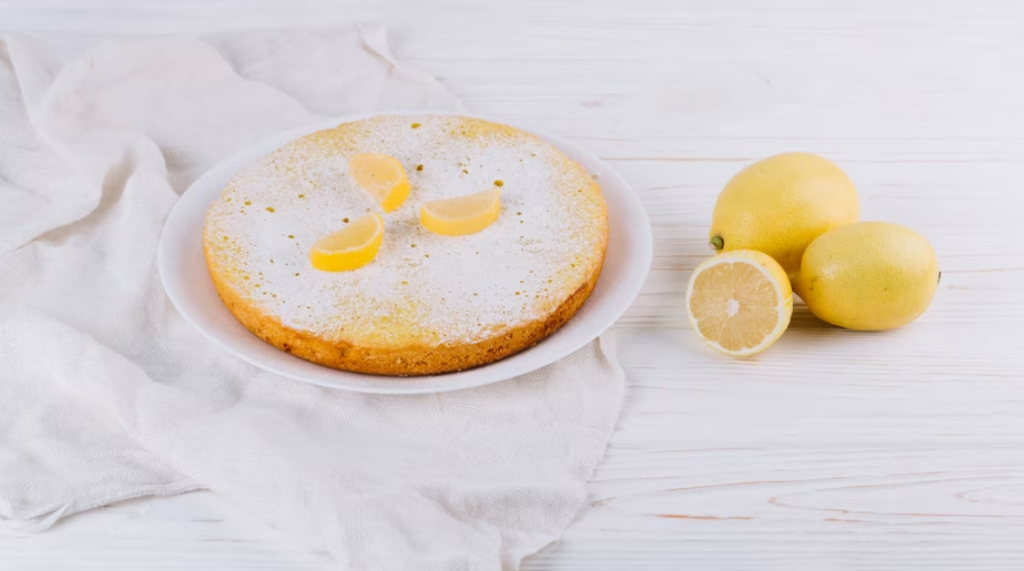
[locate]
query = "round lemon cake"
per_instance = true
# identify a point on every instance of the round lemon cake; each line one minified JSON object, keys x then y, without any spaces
{"x":427,"y":303}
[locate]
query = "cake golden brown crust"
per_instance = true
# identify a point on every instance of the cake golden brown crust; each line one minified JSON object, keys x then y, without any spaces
{"x":427,"y":304}
{"x":405,"y":361}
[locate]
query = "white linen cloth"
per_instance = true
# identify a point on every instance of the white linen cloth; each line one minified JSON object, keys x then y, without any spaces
{"x":107,"y":394}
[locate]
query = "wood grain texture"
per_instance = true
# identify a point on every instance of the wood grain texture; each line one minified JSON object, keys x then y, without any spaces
{"x":834,"y":449}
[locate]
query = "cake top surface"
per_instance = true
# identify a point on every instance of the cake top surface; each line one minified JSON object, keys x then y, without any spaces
{"x":422,"y":288}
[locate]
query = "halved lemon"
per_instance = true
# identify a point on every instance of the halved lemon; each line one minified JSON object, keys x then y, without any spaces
{"x":382,"y":176}
{"x":463,"y":214}
{"x":350,"y":248}
{"x":739,"y":302}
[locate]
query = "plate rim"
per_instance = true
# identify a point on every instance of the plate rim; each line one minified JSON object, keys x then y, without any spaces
{"x":229,"y":164}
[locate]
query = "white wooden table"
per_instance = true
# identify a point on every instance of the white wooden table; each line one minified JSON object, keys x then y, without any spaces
{"x":834,"y":450}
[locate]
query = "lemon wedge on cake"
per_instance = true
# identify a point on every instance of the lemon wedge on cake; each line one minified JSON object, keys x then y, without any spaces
{"x":383,"y":177}
{"x":350,"y":248}
{"x":463,"y":214}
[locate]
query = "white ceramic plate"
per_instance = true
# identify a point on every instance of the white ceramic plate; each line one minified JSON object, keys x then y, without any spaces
{"x":187,"y":281}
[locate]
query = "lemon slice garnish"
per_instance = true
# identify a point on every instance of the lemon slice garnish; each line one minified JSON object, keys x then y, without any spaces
{"x":350,"y":248}
{"x":381,"y":176}
{"x":739,"y":302}
{"x":461,"y":215}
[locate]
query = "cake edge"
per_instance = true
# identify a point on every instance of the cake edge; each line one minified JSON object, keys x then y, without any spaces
{"x":410,"y":361}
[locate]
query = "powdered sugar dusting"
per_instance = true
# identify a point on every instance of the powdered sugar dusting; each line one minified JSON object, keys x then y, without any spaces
{"x":422,"y":288}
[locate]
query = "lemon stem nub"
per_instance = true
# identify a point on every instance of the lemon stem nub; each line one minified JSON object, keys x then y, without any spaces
{"x":940,"y":278}
{"x":717,"y":243}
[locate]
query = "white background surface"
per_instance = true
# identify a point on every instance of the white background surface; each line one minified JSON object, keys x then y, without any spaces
{"x":834,"y":450}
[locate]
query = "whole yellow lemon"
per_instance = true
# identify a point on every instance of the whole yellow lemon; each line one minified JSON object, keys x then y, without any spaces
{"x":780,"y":204}
{"x":869,"y":276}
